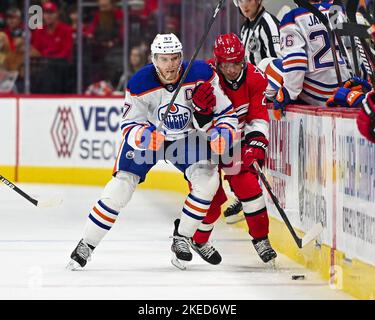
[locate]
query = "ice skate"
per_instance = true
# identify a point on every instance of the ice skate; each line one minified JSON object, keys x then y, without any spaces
{"x":233,"y":213}
{"x":207,"y":252}
{"x":264,"y":249}
{"x":80,"y":255}
{"x":180,"y":249}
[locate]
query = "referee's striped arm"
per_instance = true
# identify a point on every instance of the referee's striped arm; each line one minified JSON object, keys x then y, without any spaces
{"x":270,"y":36}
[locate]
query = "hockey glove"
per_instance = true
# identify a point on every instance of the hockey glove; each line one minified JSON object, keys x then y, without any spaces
{"x":221,"y":139}
{"x":254,"y":149}
{"x":147,"y":137}
{"x":366,"y":117}
{"x":358,"y":84}
{"x":280,"y":103}
{"x":204,"y":100}
{"x":345,"y":97}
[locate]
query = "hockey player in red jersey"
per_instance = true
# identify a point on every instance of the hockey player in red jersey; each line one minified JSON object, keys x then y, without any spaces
{"x":245,"y":85}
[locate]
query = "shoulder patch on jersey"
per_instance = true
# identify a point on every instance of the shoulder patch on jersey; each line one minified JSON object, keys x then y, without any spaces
{"x":144,"y":80}
{"x":200,"y":70}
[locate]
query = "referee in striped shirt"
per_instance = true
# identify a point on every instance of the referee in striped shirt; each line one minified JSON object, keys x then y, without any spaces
{"x":260,"y":32}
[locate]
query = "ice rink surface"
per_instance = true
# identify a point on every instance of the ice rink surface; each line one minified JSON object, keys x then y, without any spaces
{"x":133,"y":261}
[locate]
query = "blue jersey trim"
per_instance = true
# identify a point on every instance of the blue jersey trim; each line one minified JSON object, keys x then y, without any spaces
{"x":98,"y":223}
{"x":314,"y":96}
{"x":192,"y":215}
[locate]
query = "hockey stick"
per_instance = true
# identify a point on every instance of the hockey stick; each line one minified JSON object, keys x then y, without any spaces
{"x":363,"y":47}
{"x":357,"y":72}
{"x":310,"y":235}
{"x":332,"y":12}
{"x":353,"y":29}
{"x":38,"y":203}
{"x":208,"y":28}
{"x":315,"y":11}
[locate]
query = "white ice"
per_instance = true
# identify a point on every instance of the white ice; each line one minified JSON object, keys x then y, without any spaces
{"x":133,"y":261}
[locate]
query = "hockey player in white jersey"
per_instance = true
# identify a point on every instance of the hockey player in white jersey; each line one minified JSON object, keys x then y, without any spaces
{"x":309,"y":72}
{"x":148,"y":94}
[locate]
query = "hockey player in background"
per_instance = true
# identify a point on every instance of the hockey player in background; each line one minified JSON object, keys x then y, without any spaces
{"x":261,"y":38}
{"x":260,"y":31}
{"x":273,"y":68}
{"x":245,"y":85}
{"x":148,"y":94}
{"x":309,"y":72}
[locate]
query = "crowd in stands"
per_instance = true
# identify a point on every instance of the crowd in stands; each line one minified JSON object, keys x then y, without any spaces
{"x":53,"y":49}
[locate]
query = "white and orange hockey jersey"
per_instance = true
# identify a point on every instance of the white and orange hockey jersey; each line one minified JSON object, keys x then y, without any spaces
{"x":309,"y":72}
{"x":147,"y":99}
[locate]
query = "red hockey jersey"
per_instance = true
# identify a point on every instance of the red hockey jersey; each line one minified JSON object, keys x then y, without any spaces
{"x":247,"y":95}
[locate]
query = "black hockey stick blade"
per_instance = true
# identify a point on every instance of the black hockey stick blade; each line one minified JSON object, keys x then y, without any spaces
{"x":219,"y":5}
{"x":312,"y":234}
{"x":46,"y":203}
{"x":354,"y":30}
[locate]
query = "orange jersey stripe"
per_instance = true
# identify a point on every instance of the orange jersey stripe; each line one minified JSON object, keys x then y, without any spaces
{"x":103,"y":216}
{"x":295,"y":61}
{"x":195,"y":208}
{"x":274,"y":74}
{"x":317,"y":90}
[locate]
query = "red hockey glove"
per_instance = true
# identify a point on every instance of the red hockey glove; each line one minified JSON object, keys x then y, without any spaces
{"x":366,"y":117}
{"x":221,"y":139}
{"x":148,"y":138}
{"x":254,"y":149}
{"x":345,"y":97}
{"x":204,"y":100}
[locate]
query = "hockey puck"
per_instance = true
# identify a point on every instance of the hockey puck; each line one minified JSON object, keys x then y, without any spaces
{"x":298,"y":277}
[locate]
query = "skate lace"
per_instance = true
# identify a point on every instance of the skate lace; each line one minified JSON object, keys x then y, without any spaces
{"x":83,"y":251}
{"x":207,"y":249}
{"x":181,"y":244}
{"x":235,"y":205}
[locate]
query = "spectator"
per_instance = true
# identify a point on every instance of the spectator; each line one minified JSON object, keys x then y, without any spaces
{"x":16,"y":58}
{"x":107,"y":26}
{"x":13,"y":24}
{"x":137,"y":60}
{"x":4,"y":49}
{"x":55,"y":44}
{"x":55,"y":39}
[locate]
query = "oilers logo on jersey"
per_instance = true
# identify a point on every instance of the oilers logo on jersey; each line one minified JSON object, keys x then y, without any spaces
{"x":178,"y":118}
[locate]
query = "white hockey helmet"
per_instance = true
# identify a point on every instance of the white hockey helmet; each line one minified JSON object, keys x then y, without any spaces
{"x":166,"y":44}
{"x":236,"y":2}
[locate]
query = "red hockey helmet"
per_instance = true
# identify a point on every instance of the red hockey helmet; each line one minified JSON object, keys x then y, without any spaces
{"x":229,"y":48}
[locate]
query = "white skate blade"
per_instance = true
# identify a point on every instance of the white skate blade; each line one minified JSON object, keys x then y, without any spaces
{"x":315,"y":231}
{"x":73,"y":265}
{"x":234,"y":218}
{"x":51,"y":202}
{"x":180,"y":264}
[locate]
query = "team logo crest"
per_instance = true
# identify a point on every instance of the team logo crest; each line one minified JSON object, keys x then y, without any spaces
{"x":178,"y":118}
